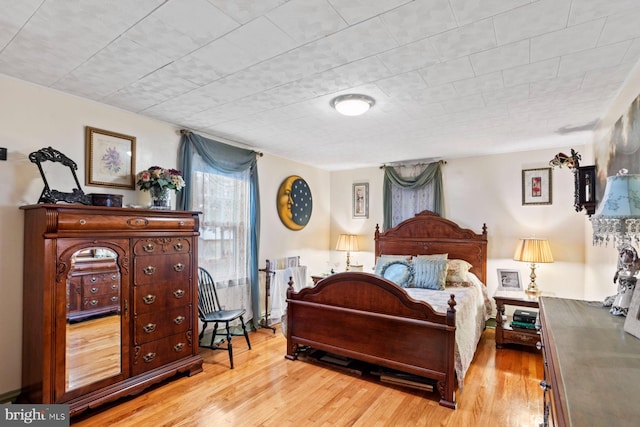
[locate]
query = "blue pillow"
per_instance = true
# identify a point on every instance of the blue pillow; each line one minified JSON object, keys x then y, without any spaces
{"x":399,"y":272}
{"x":430,"y":273}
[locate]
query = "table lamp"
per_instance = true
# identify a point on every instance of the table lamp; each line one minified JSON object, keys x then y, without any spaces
{"x":533,"y":250}
{"x":348,"y":243}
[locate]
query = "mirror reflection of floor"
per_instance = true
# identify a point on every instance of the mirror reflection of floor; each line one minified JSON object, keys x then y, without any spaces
{"x":93,"y":350}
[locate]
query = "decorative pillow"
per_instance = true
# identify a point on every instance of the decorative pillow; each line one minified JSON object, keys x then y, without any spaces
{"x":457,"y":272}
{"x":398,"y":271}
{"x":384,"y":259}
{"x":430,"y":273}
{"x":434,"y":256}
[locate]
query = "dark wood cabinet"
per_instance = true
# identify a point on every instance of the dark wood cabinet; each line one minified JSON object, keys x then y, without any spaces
{"x":592,"y":367}
{"x":110,"y":302}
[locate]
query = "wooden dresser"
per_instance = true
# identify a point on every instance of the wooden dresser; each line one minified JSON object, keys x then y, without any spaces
{"x":99,"y":327}
{"x":592,"y":367}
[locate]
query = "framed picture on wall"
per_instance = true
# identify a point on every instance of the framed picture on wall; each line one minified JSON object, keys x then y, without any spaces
{"x":509,"y":280}
{"x":110,"y":158}
{"x":536,"y":186}
{"x":361,"y":200}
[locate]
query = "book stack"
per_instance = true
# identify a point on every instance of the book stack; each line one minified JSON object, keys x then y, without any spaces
{"x":524,"y":319}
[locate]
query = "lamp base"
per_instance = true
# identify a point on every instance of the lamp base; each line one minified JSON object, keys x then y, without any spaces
{"x":533,"y":287}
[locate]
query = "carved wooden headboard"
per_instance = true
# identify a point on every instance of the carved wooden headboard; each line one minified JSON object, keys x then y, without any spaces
{"x":427,"y":233}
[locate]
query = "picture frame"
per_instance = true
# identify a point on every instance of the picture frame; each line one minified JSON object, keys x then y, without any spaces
{"x":509,"y":280}
{"x":632,"y":321}
{"x":360,"y":198}
{"x":110,"y":159}
{"x":536,"y":186}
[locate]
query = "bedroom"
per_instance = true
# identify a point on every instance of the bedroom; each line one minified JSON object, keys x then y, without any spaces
{"x":33,"y":117}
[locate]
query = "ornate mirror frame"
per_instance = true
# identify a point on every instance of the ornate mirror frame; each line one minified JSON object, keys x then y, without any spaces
{"x":50,"y":195}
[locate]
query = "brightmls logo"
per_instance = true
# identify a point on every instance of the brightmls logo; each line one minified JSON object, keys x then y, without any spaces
{"x":36,"y":415}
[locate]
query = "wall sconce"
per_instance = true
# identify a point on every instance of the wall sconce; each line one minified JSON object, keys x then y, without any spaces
{"x":348,"y":243}
{"x":534,"y":251}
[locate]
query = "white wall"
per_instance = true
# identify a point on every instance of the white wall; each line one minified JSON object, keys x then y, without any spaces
{"x":487,"y":190}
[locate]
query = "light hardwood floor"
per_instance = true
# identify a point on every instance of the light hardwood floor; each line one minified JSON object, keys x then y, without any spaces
{"x":501,"y":389}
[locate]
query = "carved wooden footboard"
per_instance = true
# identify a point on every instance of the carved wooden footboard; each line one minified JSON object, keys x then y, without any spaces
{"x":368,"y":318}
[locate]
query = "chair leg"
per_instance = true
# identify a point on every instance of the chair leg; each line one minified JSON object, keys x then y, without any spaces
{"x":204,"y":326}
{"x":246,"y":335}
{"x":213,"y":335}
{"x":229,"y":346}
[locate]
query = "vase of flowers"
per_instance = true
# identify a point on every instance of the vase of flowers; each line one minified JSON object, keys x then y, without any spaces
{"x":159,"y":181}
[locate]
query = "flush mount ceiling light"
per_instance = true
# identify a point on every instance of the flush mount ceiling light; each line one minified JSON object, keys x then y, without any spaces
{"x":352,"y":104}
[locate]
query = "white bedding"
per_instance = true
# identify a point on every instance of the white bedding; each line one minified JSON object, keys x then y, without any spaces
{"x":473,"y":308}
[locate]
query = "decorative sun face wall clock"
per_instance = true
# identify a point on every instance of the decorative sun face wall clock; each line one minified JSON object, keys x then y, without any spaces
{"x":294,"y":203}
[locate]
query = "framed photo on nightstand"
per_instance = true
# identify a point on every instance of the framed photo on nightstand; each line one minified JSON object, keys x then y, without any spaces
{"x":509,"y":280}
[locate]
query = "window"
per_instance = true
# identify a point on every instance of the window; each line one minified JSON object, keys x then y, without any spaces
{"x":223,"y":200}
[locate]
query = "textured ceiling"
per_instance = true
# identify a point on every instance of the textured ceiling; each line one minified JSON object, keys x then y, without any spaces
{"x":451,"y":78}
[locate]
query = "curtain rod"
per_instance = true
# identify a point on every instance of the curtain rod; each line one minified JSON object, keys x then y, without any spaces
{"x":188,"y":132}
{"x":402,"y":165}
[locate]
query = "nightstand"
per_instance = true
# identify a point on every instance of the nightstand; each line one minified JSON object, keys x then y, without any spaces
{"x":505,"y":334}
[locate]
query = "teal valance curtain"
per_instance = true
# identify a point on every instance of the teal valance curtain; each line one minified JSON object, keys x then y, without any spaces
{"x":226,"y":158}
{"x":431,"y":174}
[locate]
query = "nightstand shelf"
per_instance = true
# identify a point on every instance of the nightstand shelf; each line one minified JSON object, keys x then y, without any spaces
{"x":505,"y":333}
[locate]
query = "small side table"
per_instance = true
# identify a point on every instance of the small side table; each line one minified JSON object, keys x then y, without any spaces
{"x":505,"y":334}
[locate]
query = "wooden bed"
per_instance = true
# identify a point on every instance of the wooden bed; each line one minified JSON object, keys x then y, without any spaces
{"x":368,"y":318}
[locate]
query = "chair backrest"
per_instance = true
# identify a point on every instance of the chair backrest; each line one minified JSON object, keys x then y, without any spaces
{"x":207,"y":296}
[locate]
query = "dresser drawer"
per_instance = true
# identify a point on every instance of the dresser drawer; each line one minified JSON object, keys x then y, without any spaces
{"x":87,"y":221}
{"x":159,"y":352}
{"x":166,"y":246}
{"x":100,"y":285}
{"x":163,"y":296}
{"x":152,"y":326}
{"x":162,"y":269}
{"x":102,"y":301}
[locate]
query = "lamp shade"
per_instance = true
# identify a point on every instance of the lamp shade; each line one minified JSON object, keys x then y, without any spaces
{"x":621,"y":197}
{"x":618,"y":215}
{"x":533,"y":250}
{"x":347,"y":242}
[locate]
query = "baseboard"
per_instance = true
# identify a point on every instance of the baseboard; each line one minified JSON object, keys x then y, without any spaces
{"x":9,"y":397}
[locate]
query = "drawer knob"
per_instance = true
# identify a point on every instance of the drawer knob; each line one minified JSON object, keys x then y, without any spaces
{"x":149,"y":247}
{"x":178,"y":293}
{"x":149,"y":270}
{"x":149,"y":357}
{"x":149,"y":299}
{"x":539,"y":345}
{"x":114,"y":299}
{"x":83,"y":221}
{"x":178,"y":320}
{"x":178,"y":267}
{"x":93,"y":279}
{"x":149,"y":327}
{"x":114,"y":287}
{"x":545,"y":385}
{"x":178,"y":246}
{"x":93,"y":302}
{"x":114,"y":277}
{"x":178,"y":347}
{"x":93,"y":290}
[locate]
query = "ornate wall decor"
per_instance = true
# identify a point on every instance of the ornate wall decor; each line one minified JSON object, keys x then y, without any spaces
{"x":294,"y":203}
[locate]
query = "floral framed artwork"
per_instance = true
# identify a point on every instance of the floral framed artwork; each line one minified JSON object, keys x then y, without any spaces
{"x":360,"y":197}
{"x":509,"y":280}
{"x":110,"y":158}
{"x":536,"y":186}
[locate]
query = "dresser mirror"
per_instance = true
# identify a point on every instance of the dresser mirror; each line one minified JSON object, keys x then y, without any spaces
{"x":93,"y":340}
